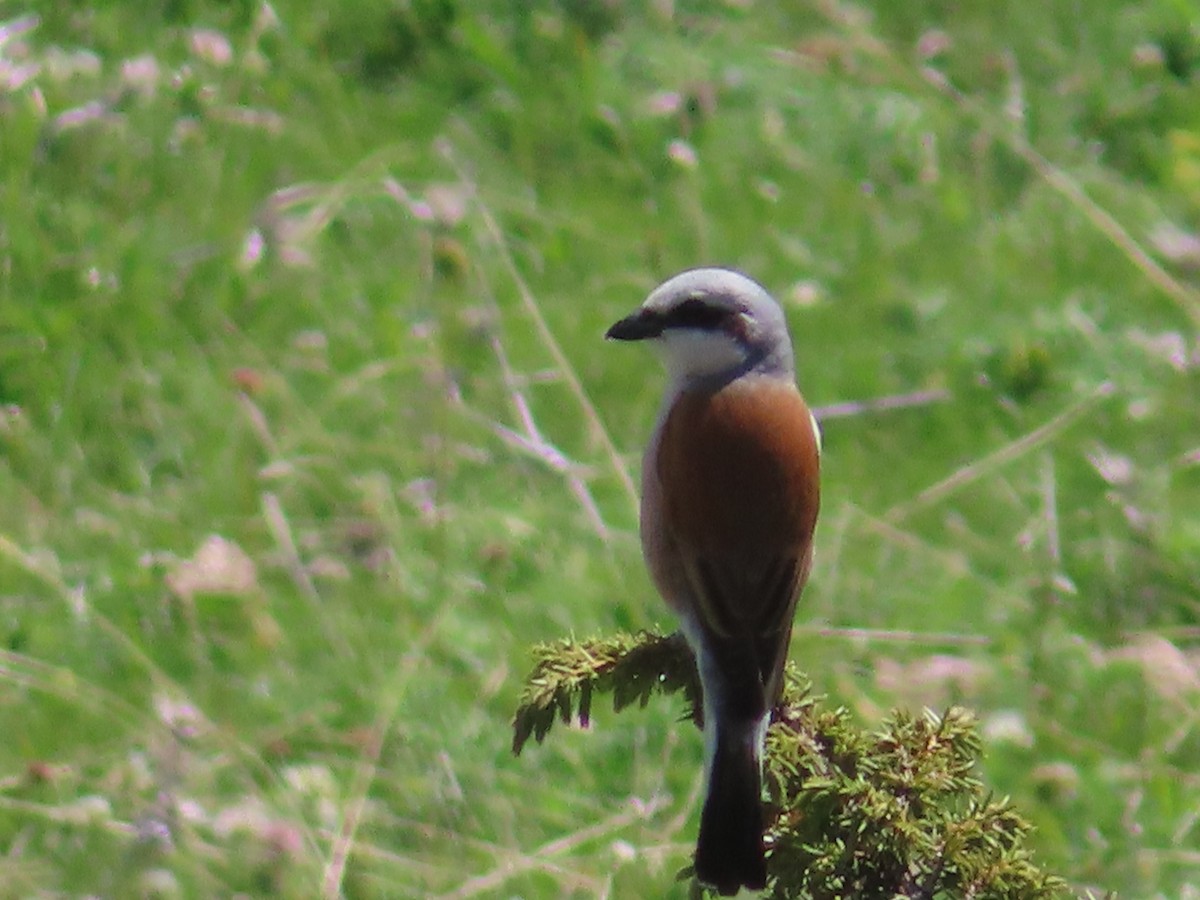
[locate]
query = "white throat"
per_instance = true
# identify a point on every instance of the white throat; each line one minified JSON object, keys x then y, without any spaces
{"x":690,"y":354}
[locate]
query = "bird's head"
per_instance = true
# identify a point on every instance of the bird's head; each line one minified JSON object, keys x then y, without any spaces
{"x":711,"y":324}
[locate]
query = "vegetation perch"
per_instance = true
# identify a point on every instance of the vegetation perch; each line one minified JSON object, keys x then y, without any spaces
{"x":897,"y":812}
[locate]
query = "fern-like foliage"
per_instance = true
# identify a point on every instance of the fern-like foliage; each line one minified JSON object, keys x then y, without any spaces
{"x":894,"y":813}
{"x":567,"y":673}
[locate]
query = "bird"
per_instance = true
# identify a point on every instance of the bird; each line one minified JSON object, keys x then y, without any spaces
{"x":729,"y":503}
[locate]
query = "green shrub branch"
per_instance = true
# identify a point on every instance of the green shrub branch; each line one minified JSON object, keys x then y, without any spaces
{"x":895,"y":813}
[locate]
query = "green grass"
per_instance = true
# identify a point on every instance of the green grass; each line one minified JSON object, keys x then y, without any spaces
{"x":431,"y":183}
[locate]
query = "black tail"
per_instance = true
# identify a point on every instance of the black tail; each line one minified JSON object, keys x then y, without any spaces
{"x":729,"y":852}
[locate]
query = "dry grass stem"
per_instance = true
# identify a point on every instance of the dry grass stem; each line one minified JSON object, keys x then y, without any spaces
{"x":533,"y":310}
{"x":981,"y":468}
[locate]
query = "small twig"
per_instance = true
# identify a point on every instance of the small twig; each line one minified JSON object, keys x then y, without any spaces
{"x":896,"y":635}
{"x":64,"y":814}
{"x":416,"y":866}
{"x":1171,"y":632}
{"x":278,"y":525}
{"x":258,"y":424}
{"x":541,"y":446}
{"x":880,"y":404}
{"x":1050,"y":510}
{"x":543,"y":450}
{"x":281,"y":531}
{"x":530,"y":304}
{"x":343,"y":841}
{"x":34,"y":675}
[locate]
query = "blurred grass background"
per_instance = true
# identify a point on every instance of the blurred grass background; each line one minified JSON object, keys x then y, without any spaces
{"x":308,"y":430}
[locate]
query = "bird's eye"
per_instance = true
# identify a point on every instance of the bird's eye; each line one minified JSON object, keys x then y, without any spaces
{"x":695,"y":313}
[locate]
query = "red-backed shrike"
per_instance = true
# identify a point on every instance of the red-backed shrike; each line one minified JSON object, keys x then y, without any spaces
{"x":730,"y":490}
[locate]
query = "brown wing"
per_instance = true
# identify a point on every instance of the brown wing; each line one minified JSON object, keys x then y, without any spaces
{"x":739,"y":474}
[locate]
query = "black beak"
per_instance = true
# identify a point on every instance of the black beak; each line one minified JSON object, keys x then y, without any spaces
{"x":638,"y":327}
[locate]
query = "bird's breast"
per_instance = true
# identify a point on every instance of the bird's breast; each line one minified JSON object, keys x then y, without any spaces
{"x":738,"y":470}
